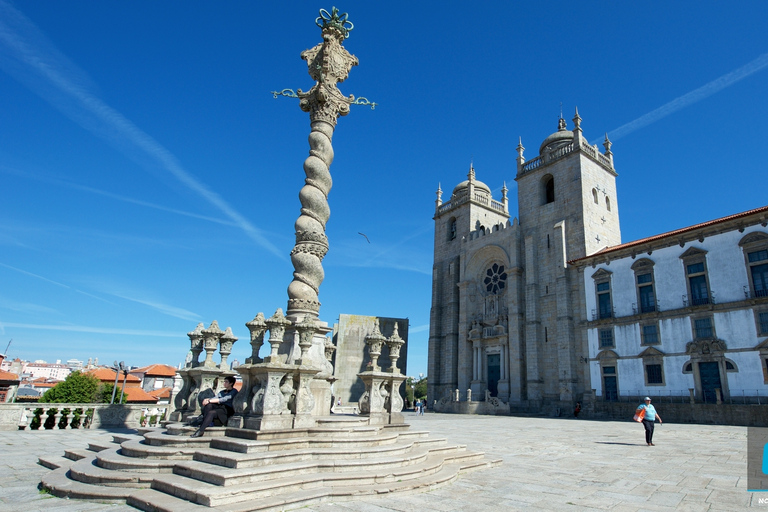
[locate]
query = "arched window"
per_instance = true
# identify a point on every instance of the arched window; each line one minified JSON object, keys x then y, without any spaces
{"x":548,"y":189}
{"x":452,"y":228}
{"x":608,"y":203}
{"x":594,"y":195}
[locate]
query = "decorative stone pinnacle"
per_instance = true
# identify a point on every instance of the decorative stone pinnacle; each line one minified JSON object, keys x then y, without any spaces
{"x":225,"y":347}
{"x":395,"y":342}
{"x":211,"y":337}
{"x":196,"y":343}
{"x":607,"y":145}
{"x":334,"y":21}
{"x":257,"y":327}
{"x":375,"y":340}
{"x":276,"y":324}
{"x":577,"y":120}
{"x":307,"y":329}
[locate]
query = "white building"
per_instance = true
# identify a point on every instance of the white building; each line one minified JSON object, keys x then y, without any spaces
{"x":680,"y":313}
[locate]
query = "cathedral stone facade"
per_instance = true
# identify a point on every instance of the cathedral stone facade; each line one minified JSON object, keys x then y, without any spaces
{"x":516,"y":304}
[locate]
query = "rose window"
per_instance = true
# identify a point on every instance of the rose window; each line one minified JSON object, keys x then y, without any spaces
{"x":495,"y":278}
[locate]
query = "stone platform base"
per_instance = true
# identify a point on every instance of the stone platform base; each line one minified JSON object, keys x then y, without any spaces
{"x":233,"y":469}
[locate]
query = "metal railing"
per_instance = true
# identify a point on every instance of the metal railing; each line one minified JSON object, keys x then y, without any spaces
{"x":699,"y":301}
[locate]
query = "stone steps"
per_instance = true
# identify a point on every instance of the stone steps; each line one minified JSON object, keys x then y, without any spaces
{"x":305,"y":497}
{"x":213,"y":474}
{"x":263,"y":458}
{"x":88,"y":472}
{"x":237,"y":470}
{"x":213,"y":495}
{"x":114,"y":460}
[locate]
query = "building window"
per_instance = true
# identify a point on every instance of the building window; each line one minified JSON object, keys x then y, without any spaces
{"x":758,"y":271}
{"x":608,"y":203}
{"x":606,"y":338}
{"x":755,"y":247}
{"x":653,"y":374}
{"x":695,"y":266}
{"x":688,"y":367}
{"x":495,"y":278}
{"x":650,"y":334}
{"x":548,"y":185}
{"x":604,"y":300}
{"x":452,"y":229}
{"x":697,"y":282}
{"x":646,"y":296}
{"x":762,"y":323}
{"x":702,"y":328}
{"x":594,"y":195}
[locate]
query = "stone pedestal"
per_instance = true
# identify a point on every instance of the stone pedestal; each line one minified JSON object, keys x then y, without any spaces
{"x":381,"y":403}
{"x":198,"y":383}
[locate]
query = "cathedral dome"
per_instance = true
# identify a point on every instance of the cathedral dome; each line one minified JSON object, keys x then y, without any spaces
{"x":560,"y":138}
{"x":479,"y":185}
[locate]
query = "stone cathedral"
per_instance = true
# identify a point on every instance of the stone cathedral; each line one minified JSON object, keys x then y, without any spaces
{"x":503,"y":323}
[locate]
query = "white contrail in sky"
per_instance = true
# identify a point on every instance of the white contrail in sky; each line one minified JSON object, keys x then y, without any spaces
{"x":27,"y":55}
{"x":75,"y":186}
{"x":690,"y":98}
{"x":88,"y":329}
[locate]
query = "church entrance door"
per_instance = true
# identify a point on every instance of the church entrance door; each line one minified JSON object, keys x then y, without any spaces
{"x":494,"y":373}
{"x":709,"y":374}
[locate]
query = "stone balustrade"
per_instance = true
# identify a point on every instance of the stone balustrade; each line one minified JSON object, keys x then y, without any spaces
{"x":37,"y":416}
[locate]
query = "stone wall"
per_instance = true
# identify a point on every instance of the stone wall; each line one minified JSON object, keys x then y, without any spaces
{"x":709,"y":414}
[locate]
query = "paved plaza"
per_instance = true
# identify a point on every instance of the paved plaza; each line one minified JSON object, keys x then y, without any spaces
{"x":549,"y":464}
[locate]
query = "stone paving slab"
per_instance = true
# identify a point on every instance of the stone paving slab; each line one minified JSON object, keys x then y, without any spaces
{"x":549,"y":464}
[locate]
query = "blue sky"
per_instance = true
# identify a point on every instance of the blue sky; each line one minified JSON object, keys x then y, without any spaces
{"x":150,"y":180}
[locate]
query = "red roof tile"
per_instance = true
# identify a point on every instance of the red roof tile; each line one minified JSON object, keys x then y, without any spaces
{"x":138,"y":395}
{"x":161,"y":393}
{"x":157,"y":370}
{"x":108,"y":376}
{"x":8,"y":375}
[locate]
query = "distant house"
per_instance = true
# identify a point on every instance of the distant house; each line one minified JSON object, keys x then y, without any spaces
{"x":9,"y":383}
{"x":133,"y":391}
{"x":155,"y":377}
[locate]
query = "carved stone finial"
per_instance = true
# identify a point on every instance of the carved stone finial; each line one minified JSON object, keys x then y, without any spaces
{"x":374,"y":341}
{"x":276,"y":324}
{"x":577,"y":120}
{"x":307,"y":329}
{"x":607,"y":145}
{"x":395,"y":342}
{"x":211,"y":337}
{"x":258,"y":328}
{"x":225,"y":347}
{"x":196,"y":344}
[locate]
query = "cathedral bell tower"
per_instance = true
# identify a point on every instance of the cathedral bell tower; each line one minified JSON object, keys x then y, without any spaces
{"x":568,"y":209}
{"x":470,"y":213}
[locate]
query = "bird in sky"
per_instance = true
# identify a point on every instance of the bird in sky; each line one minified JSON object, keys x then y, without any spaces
{"x":363,"y":234}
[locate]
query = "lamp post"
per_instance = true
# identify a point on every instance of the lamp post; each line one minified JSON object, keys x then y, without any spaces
{"x":125,"y":377}
{"x":117,"y":376}
{"x":413,"y":396}
{"x":118,"y":368}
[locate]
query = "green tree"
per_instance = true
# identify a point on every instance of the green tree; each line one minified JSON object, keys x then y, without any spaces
{"x":420,"y":389}
{"x":79,"y":388}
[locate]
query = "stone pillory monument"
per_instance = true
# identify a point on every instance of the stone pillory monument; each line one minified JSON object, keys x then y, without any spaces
{"x":281,"y":446}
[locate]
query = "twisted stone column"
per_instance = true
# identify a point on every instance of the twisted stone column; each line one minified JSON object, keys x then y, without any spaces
{"x":329,"y":63}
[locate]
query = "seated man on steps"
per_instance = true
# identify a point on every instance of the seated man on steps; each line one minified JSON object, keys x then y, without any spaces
{"x":219,"y":408}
